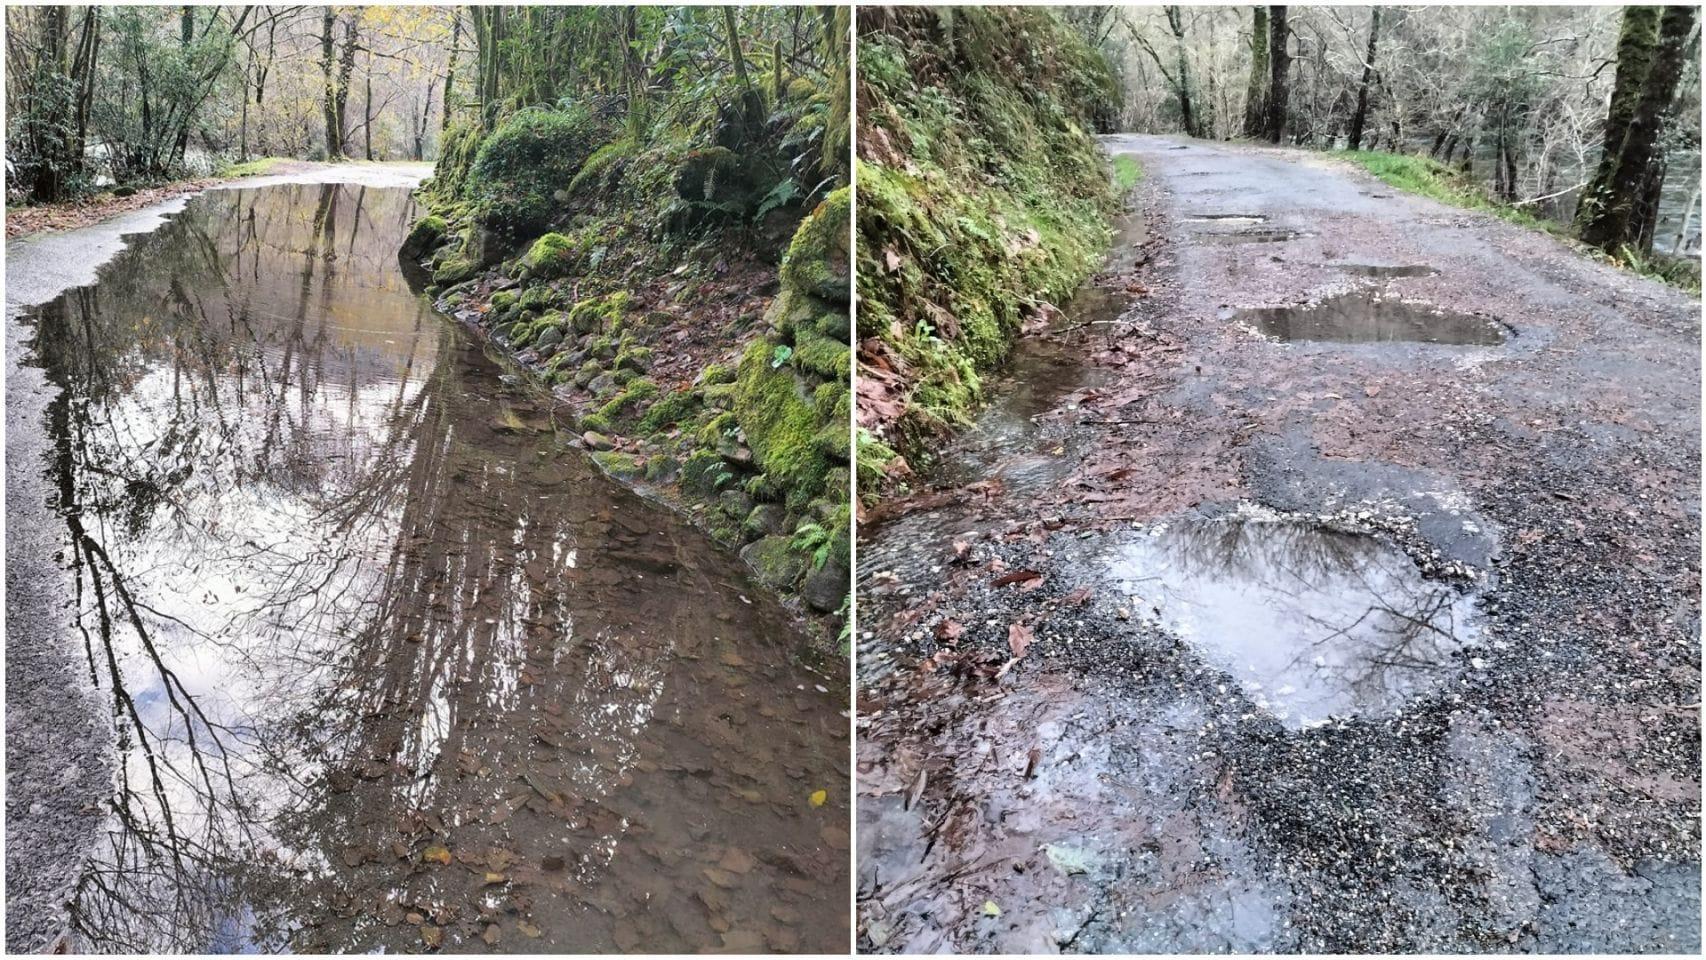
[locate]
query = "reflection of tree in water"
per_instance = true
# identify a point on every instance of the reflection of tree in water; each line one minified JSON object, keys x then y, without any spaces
{"x":326,"y":593}
{"x":1367,"y":618}
{"x":194,"y":404}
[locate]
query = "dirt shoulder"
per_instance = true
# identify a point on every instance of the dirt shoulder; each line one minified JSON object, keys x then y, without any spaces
{"x":1121,"y":785}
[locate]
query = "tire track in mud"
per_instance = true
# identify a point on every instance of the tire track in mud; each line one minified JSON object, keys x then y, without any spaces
{"x":1129,"y":786}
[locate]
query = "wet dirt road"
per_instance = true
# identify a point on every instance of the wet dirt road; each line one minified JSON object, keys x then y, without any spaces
{"x":1368,"y":626}
{"x":360,"y":656}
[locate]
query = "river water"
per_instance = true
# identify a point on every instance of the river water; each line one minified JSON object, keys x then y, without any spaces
{"x":389,"y":667}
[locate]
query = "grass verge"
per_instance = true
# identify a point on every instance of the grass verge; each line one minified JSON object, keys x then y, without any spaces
{"x":1436,"y":181}
{"x":1127,"y":173}
{"x":258,"y":167}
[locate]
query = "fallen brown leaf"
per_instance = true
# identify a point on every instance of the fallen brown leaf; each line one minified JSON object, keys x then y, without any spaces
{"x":1019,"y":639}
{"x":1017,"y":576}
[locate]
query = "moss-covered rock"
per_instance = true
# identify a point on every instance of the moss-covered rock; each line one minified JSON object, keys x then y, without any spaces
{"x":764,"y":520}
{"x":525,"y":162}
{"x":703,"y":472}
{"x":774,"y":562}
{"x":669,"y":410}
{"x":817,"y":261}
{"x":624,"y":466}
{"x":780,"y":422}
{"x":551,"y":256}
{"x":828,"y":358}
{"x":624,"y":405}
{"x":427,"y":233}
{"x":455,"y":270}
{"x":600,"y":314}
{"x":589,"y":371}
{"x":662,"y":468}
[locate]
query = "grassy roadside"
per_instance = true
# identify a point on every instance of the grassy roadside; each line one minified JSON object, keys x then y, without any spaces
{"x":1436,"y":181}
{"x":983,"y":196}
{"x":1127,"y":173}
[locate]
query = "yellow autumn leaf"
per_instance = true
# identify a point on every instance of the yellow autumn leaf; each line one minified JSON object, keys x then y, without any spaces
{"x":819,"y":798}
{"x":990,"y":909}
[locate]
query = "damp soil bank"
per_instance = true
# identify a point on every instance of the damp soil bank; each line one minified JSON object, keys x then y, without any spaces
{"x":1373,"y":641}
{"x":386,"y":665}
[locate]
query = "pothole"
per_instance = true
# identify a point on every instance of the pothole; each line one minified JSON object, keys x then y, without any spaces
{"x":1253,"y":235}
{"x":1387,"y":271}
{"x":1370,"y":316}
{"x":1309,"y":621}
{"x":1235,"y":218}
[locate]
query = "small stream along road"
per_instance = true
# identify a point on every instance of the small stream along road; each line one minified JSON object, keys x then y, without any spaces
{"x":1324,"y":577}
{"x":320,"y":639}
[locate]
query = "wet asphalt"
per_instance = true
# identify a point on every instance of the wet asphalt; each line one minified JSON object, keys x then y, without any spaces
{"x":1517,"y":420}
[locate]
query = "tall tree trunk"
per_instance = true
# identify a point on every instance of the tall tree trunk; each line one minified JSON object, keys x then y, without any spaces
{"x":367,"y":109}
{"x":1176,"y":22}
{"x":752,"y":102}
{"x":243,"y":126}
{"x":1361,"y":115}
{"x":1617,"y":221}
{"x":1255,"y":94}
{"x":421,"y":128}
{"x":83,"y":80}
{"x":50,"y":146}
{"x":1279,"y":81}
{"x":450,"y":71}
{"x":346,"y":69}
{"x":1636,"y":42}
{"x":633,"y":71}
{"x":329,"y":108}
{"x":489,"y":24}
{"x":186,"y":33}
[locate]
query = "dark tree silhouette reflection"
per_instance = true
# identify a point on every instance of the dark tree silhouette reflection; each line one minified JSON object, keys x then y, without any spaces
{"x":354,"y":622}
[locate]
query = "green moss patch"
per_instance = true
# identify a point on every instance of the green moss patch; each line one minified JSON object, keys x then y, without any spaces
{"x":981,"y":193}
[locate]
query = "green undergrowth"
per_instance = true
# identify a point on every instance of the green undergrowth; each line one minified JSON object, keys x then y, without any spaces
{"x":1127,"y":173}
{"x":982,"y":196}
{"x":260,"y":166}
{"x":1436,"y":181}
{"x":619,"y":265}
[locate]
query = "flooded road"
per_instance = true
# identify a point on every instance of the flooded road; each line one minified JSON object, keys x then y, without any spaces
{"x":389,"y":667}
{"x":1341,"y":594}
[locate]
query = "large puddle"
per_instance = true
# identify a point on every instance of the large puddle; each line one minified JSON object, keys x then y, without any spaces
{"x":390,"y":668}
{"x":1311,"y":622}
{"x":1371,"y":315}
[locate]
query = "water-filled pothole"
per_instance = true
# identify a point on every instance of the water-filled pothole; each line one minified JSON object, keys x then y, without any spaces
{"x":1386,"y":271}
{"x":1369,"y":316}
{"x":1251,"y":218}
{"x":1252,"y":235}
{"x":1310,"y":622}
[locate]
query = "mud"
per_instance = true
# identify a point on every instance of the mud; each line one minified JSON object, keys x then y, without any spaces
{"x":390,"y":666}
{"x":1046,"y":731}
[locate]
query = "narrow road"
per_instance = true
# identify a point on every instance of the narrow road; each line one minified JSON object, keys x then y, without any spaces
{"x":1338,"y":590}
